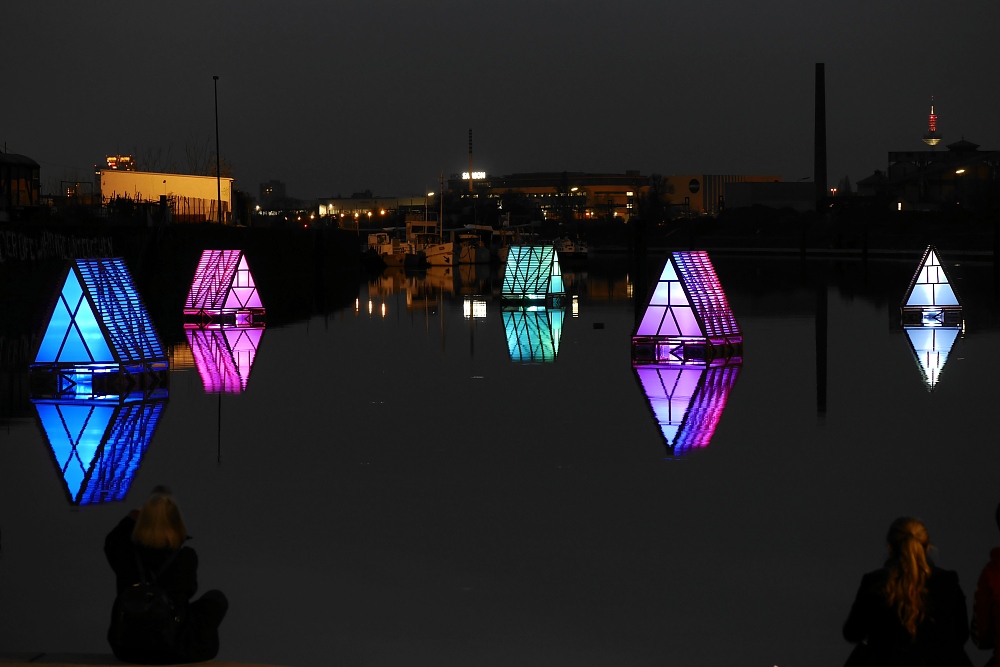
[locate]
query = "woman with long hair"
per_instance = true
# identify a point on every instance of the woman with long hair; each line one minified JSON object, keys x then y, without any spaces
{"x":909,"y":612}
{"x":149,"y":544}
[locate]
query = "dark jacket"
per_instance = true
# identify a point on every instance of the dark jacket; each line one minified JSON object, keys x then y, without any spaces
{"x":987,"y":606}
{"x":179,"y":579}
{"x":940,"y":638}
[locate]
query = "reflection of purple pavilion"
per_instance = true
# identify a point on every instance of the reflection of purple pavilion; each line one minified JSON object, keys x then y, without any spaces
{"x":223,"y":320}
{"x":223,"y":291}
{"x":687,"y":401}
{"x":687,"y":351}
{"x":688,"y":317}
{"x":224,"y":356}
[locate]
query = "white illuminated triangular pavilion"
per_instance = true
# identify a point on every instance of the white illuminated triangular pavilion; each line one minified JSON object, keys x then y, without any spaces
{"x":930,"y":298}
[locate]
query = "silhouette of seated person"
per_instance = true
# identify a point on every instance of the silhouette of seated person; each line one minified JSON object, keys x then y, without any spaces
{"x":909,"y":612}
{"x":153,"y":538}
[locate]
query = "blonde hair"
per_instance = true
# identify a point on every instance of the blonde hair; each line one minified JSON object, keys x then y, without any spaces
{"x":159,"y":524}
{"x":906,"y":585}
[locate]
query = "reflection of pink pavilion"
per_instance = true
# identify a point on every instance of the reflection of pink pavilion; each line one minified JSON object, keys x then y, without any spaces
{"x":688,"y":317}
{"x":223,"y":291}
{"x":224,"y":356}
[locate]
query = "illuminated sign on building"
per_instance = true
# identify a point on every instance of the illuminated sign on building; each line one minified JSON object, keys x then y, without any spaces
{"x":476,"y":175}
{"x":688,"y":316}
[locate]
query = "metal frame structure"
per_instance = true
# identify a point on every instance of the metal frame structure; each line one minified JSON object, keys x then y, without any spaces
{"x":532,"y":276}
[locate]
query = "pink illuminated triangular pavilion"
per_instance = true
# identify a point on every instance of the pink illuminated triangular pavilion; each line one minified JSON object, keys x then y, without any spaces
{"x":688,"y":317}
{"x":223,"y":291}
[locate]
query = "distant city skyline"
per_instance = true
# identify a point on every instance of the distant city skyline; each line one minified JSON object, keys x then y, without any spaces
{"x":381,"y":97}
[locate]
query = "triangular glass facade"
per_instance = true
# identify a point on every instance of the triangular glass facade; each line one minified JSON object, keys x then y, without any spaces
{"x":223,"y":290}
{"x":99,"y":320}
{"x":688,"y":316}
{"x":687,"y":401}
{"x":930,"y":299}
{"x":98,"y":446}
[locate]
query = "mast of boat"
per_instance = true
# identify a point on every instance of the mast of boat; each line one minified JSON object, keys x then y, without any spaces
{"x":441,"y":215}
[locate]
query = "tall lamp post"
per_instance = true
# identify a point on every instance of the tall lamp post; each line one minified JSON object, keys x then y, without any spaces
{"x":218,"y":171}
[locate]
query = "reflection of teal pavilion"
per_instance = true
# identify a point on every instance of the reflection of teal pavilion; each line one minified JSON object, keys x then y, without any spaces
{"x":687,"y":401}
{"x":532,"y":296}
{"x":687,"y":351}
{"x":99,"y":339}
{"x":932,"y":316}
{"x":223,"y":291}
{"x":97,"y":445}
{"x":688,"y":317}
{"x":930,"y":298}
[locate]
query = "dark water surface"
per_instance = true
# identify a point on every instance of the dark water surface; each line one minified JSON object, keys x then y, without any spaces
{"x":393,"y":489}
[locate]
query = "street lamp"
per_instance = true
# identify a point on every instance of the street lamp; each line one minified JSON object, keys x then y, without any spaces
{"x":218,"y":172}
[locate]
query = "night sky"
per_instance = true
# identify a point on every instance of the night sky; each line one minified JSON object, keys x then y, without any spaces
{"x":380,"y":95}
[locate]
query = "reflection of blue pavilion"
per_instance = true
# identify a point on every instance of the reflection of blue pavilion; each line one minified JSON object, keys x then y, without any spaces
{"x":531,"y":297}
{"x":99,"y":339}
{"x":932,"y":316}
{"x":687,"y":401}
{"x":687,"y":351}
{"x":98,"y":445}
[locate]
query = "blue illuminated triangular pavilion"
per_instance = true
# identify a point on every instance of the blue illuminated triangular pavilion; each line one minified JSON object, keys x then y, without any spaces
{"x":98,"y":445}
{"x":99,"y":328}
{"x":930,"y":298}
{"x":533,"y":333}
{"x":931,"y":346}
{"x":688,"y":316}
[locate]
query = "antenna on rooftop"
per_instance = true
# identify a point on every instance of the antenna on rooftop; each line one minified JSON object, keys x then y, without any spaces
{"x":932,"y":138}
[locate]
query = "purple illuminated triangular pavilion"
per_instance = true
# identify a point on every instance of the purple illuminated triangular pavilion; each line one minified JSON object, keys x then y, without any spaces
{"x":688,"y":317}
{"x":224,"y":356}
{"x":223,"y":291}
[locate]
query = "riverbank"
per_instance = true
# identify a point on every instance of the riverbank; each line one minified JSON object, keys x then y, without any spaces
{"x":91,"y":660}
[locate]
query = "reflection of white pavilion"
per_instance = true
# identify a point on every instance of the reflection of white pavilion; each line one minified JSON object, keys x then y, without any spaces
{"x":687,"y":401}
{"x":931,"y":346}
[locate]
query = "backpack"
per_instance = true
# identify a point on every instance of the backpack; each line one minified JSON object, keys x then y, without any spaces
{"x":147,"y":618}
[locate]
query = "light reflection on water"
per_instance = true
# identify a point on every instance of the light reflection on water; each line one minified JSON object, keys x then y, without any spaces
{"x":430,"y":501}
